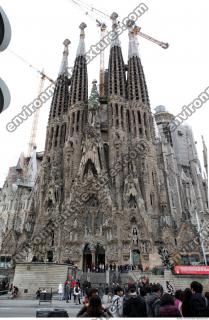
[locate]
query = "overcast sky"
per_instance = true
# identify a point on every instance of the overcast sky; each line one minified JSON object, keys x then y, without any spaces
{"x":175,"y":77}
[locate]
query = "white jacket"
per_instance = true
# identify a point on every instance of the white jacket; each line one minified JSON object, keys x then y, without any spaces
{"x":60,"y":288}
{"x":76,"y":293}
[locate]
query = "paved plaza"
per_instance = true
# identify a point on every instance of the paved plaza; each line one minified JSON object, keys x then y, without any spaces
{"x":27,"y":308}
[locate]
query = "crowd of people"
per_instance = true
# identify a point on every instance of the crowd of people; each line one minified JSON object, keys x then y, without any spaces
{"x":112,"y":267}
{"x":144,"y":300}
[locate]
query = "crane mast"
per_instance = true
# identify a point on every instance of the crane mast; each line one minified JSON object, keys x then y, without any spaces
{"x":103,"y":29}
{"x":32,"y":141}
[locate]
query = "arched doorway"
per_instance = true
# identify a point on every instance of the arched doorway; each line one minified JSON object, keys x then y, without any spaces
{"x":87,"y":258}
{"x":99,"y":256}
{"x":136,"y":259}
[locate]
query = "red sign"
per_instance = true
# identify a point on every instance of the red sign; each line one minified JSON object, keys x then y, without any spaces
{"x":191,"y":269}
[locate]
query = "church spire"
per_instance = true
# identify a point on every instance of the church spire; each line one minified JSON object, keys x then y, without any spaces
{"x":115,"y":39}
{"x":136,"y":83}
{"x":79,"y":81}
{"x":59,"y":103}
{"x":64,"y":64}
{"x":116,"y":68}
{"x":81,"y":46}
{"x":133,"y":42}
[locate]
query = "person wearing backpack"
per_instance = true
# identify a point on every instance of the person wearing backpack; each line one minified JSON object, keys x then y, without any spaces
{"x":198,"y":303}
{"x":77,"y":294}
{"x":116,"y":307}
{"x":134,"y":305}
{"x":153,"y":301}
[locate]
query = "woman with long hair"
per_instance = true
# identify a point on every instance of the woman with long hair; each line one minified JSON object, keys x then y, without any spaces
{"x":95,"y":308}
{"x":186,"y":303}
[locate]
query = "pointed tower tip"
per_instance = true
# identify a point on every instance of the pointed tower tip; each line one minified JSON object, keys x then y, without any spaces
{"x":114,"y":16}
{"x":66,"y":42}
{"x":83,"y":25}
{"x":133,"y":41}
{"x":81,"y":46}
{"x":64,"y":64}
{"x":115,"y":40}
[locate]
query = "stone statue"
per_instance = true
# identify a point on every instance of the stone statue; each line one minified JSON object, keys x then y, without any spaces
{"x":135,"y":236}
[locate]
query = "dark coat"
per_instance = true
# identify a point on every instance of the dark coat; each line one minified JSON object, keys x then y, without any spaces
{"x":153,"y":304}
{"x":198,"y":306}
{"x":102,"y":314}
{"x":169,"y":311}
{"x":134,"y":306}
{"x":186,"y":309}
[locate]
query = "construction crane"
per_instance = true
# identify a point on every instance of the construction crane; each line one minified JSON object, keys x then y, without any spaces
{"x":88,"y":8}
{"x":103,"y":29}
{"x":31,"y":66}
{"x":137,"y":31}
{"x":32,"y":141}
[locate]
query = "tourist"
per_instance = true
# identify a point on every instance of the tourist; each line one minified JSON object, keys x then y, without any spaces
{"x":153,"y":301}
{"x":95,"y":309}
{"x":134,"y":305}
{"x":101,"y":290}
{"x":60,"y":291}
{"x":38,"y":292}
{"x":207,"y":299}
{"x":34,"y":259}
{"x":92,"y":292}
{"x":143,"y":292}
{"x":198,"y":301}
{"x":15,"y":291}
{"x":186,"y":303}
{"x":66,"y":291}
{"x":116,"y":307}
{"x":77,"y":294}
{"x":106,"y":297}
{"x":167,"y":307}
{"x":178,"y":299}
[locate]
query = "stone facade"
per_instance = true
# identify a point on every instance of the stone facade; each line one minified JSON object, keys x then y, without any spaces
{"x":15,"y":201}
{"x":108,"y":190}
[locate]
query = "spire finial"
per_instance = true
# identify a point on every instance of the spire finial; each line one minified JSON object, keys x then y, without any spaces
{"x":64,"y":64}
{"x":81,"y":46}
{"x":115,"y":39}
{"x":133,"y":42}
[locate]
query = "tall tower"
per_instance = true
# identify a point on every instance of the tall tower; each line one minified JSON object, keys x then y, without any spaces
{"x":48,"y":198}
{"x":117,"y":132}
{"x":140,"y":124}
{"x":77,"y":115}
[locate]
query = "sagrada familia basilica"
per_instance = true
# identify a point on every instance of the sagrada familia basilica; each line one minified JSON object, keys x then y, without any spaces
{"x":113,"y":184}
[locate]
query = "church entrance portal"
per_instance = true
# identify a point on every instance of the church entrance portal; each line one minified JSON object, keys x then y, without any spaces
{"x":136,"y":259}
{"x":93,"y":260}
{"x":100,"y":257}
{"x":87,"y":258}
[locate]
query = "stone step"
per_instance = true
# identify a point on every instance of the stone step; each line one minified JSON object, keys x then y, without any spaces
{"x":30,"y":276}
